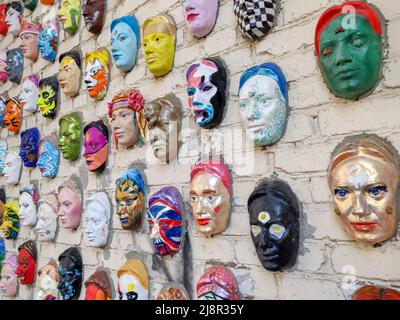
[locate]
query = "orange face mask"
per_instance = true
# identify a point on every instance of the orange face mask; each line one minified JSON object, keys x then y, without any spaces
{"x":12,"y":117}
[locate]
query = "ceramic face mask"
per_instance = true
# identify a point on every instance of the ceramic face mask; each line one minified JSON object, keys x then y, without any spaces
{"x":200,"y":16}
{"x":9,"y":280}
{"x":70,"y":200}
{"x":350,"y":54}
{"x":70,"y":270}
{"x":255,"y":17}
{"x":69,"y":15}
{"x":93,"y":14}
{"x":98,"y":212}
{"x":15,"y":65}
{"x":98,"y":286}
{"x":26,"y":263}
{"x":173,"y":292}
{"x":14,"y":17}
{"x":159,"y":44}
{"x":29,"y":150}
{"x":28,"y":198}
{"x":3,"y":100}
{"x":29,"y":40}
{"x":48,"y":97}
{"x":164,"y":120}
{"x":125,"y":35}
{"x":30,"y":94}
{"x":69,"y":74}
{"x":70,"y":136}
{"x":10,"y":226}
{"x":47,"y":2}
{"x":263,"y":103}
{"x":130,"y":196}
{"x":12,"y":167}
{"x":376,"y":293}
{"x":127,"y":118}
{"x":274,"y":220}
{"x":217,"y":283}
{"x":3,"y":23}
{"x":96,"y":146}
{"x":133,"y":281}
{"x":49,"y":157}
{"x":3,"y":65}
{"x":48,"y":37}
{"x":30,"y":4}
{"x":3,"y":198}
{"x":363,"y":178}
{"x":48,"y":282}
{"x":47,"y":218}
{"x":210,"y":193}
{"x":207,"y":85}
{"x":3,"y":153}
{"x":12,"y":116}
{"x":165,"y":217}
{"x":97,"y":73}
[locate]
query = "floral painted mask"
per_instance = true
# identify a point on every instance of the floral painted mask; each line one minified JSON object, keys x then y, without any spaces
{"x":69,"y":72}
{"x":12,"y":167}
{"x":217,"y":283}
{"x":15,"y":65}
{"x":200,"y":16}
{"x":14,"y":17}
{"x":10,"y":226}
{"x":48,"y":38}
{"x":70,"y":270}
{"x":12,"y":117}
{"x":28,"y":198}
{"x":29,"y":150}
{"x":93,"y":14}
{"x":98,"y":286}
{"x":48,"y":282}
{"x":48,"y":97}
{"x":3,"y":65}
{"x":97,"y":73}
{"x":96,"y":145}
{"x":29,"y":40}
{"x":70,"y":136}
{"x":46,"y":226}
{"x":26,"y":263}
{"x":69,"y":15}
{"x":70,"y":200}
{"x":30,"y":94}
{"x":49,"y":157}
{"x":133,"y":281}
{"x":98,"y":213}
{"x":9,"y":280}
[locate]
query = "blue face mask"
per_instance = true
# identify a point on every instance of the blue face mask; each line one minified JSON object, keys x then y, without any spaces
{"x":124,"y":45}
{"x":49,"y":158}
{"x":2,"y":112}
{"x":29,"y":147}
{"x":48,"y":44}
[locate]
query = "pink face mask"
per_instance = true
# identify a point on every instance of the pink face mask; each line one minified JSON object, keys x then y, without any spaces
{"x":200,"y":16}
{"x":3,"y":63}
{"x":96,"y":149}
{"x":9,"y":282}
{"x":70,"y":208}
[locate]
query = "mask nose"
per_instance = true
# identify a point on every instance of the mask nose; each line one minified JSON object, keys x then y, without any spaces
{"x":342,"y":55}
{"x":252,"y":112}
{"x":360,"y":207}
{"x":154,"y":231}
{"x":265,"y":241}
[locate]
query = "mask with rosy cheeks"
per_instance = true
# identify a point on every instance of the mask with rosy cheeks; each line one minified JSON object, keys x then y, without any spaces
{"x":200,"y":16}
{"x":10,"y":226}
{"x":12,"y":167}
{"x":9,"y":280}
{"x":47,"y":218}
{"x":98,"y":212}
{"x":3,"y":23}
{"x":70,"y":136}
{"x":97,"y":73}
{"x":173,"y":292}
{"x":133,"y":281}
{"x":49,"y":158}
{"x":69,"y":15}
{"x":26,"y":263}
{"x":217,"y":283}
{"x":13,"y":115}
{"x":29,"y":150}
{"x":70,"y":270}
{"x":15,"y":65}
{"x":14,"y":17}
{"x":3,"y":64}
{"x":98,"y":286}
{"x":93,"y":14}
{"x":48,"y":97}
{"x":29,"y":40}
{"x":96,"y":145}
{"x":30,"y":94}
{"x":27,"y":205}
{"x":48,"y":281}
{"x":69,"y":72}
{"x":70,"y":201}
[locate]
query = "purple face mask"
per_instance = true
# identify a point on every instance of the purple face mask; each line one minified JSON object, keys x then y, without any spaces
{"x":200,"y":16}
{"x":94,"y":141}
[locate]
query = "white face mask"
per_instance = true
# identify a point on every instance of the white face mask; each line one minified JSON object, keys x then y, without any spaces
{"x":97,"y":221}
{"x":12,"y":169}
{"x":130,"y":288}
{"x":12,"y":19}
{"x":47,"y":286}
{"x":47,"y":222}
{"x":27,"y":210}
{"x":29,"y":96}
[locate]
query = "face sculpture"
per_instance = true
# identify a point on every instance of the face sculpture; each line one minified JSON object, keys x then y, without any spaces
{"x":97,"y":73}
{"x":70,"y":201}
{"x":48,"y":282}
{"x":217,"y":283}
{"x":26,"y":263}
{"x":3,"y":65}
{"x":263,"y":103}
{"x":3,"y":100}
{"x":48,"y":97}
{"x":28,"y":199}
{"x":98,"y":286}
{"x":70,"y":136}
{"x":3,"y":198}
{"x":207,"y":85}
{"x":15,"y":65}
{"x":70,"y":270}
{"x":9,"y":280}
{"x":200,"y":16}
{"x":173,"y":291}
{"x":159,"y":44}
{"x":255,"y":17}
{"x":49,"y":157}
{"x":98,"y":212}
{"x":47,"y":2}
{"x":10,"y":226}
{"x":48,"y":38}
{"x":30,"y":4}
{"x":12,"y":116}
{"x":125,"y":35}
{"x":69,"y":74}
{"x":3,"y":153}
{"x":133,"y":281}
{"x":127,"y":119}
{"x":14,"y":17}
{"x":165,"y":216}
{"x":274,"y":219}
{"x":12,"y":167}
{"x":69,"y":15}
{"x":376,"y":293}
{"x":46,"y":225}
{"x":3,"y":23}
{"x":363,"y":178}
{"x":210,"y":194}
{"x":93,"y":14}
{"x":130,"y":196}
{"x":30,"y":94}
{"x":29,"y":40}
{"x":29,"y":150}
{"x":164,"y":120}
{"x":96,"y":146}
{"x":350,"y":56}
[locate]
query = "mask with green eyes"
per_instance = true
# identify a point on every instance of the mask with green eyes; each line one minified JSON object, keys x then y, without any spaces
{"x":48,"y":97}
{"x":69,"y":14}
{"x":70,"y":136}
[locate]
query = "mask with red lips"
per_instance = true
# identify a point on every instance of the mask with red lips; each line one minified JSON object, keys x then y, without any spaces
{"x":96,"y":145}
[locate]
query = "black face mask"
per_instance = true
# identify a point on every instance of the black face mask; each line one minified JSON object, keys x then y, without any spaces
{"x":274,"y":221}
{"x":15,"y":65}
{"x":70,"y":270}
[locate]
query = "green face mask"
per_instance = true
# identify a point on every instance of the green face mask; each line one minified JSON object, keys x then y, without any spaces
{"x":30,"y":4}
{"x":350,"y":59}
{"x":70,"y":136}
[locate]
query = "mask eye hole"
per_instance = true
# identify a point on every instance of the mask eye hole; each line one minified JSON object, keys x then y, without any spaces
{"x":255,"y":230}
{"x":277,"y":231}
{"x":341,"y":193}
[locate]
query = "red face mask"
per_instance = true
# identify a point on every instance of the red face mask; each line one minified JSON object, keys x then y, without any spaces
{"x":26,"y":268}
{"x":94,"y":293}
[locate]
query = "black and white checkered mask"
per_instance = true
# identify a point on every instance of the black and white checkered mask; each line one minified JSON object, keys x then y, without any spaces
{"x":255,"y":17}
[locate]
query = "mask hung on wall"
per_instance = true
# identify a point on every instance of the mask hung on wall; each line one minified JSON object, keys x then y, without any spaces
{"x":127,"y":119}
{"x":10,"y":226}
{"x":130,"y":196}
{"x":93,"y":14}
{"x":96,"y":145}
{"x":29,"y":95}
{"x":26,"y":263}
{"x":48,"y":38}
{"x":97,"y":73}
{"x":48,"y":282}
{"x":29,"y":150}
{"x":15,"y":65}
{"x":210,"y":193}
{"x":255,"y":17}
{"x":29,"y":40}
{"x":217,"y":283}
{"x":207,"y":87}
{"x":376,"y":293}
{"x":70,"y":136}
{"x":2,"y":251}
{"x":3,"y":153}
{"x":48,"y":97}
{"x":164,"y":120}
{"x":12,"y":117}
{"x":47,"y":2}
{"x":3,"y":100}
{"x":3,"y":23}
{"x":3,"y":198}
{"x":125,"y":35}
{"x":173,"y":291}
{"x":363,"y":177}
{"x":69,"y":74}
{"x":98,"y":213}
{"x":46,"y":225}
{"x":3,"y":67}
{"x":14,"y":17}
{"x":133,"y":281}
{"x":9,"y":280}
{"x":70,"y":270}
{"x":165,"y":216}
{"x":12,"y":167}
{"x":49,"y":157}
{"x":264,"y":103}
{"x":70,"y":201}
{"x":28,"y":199}
{"x":200,"y":16}
{"x":98,"y":286}
{"x":69,"y":15}
{"x":30,"y":4}
{"x":348,"y":44}
{"x":274,"y":219}
{"x":159,"y":34}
